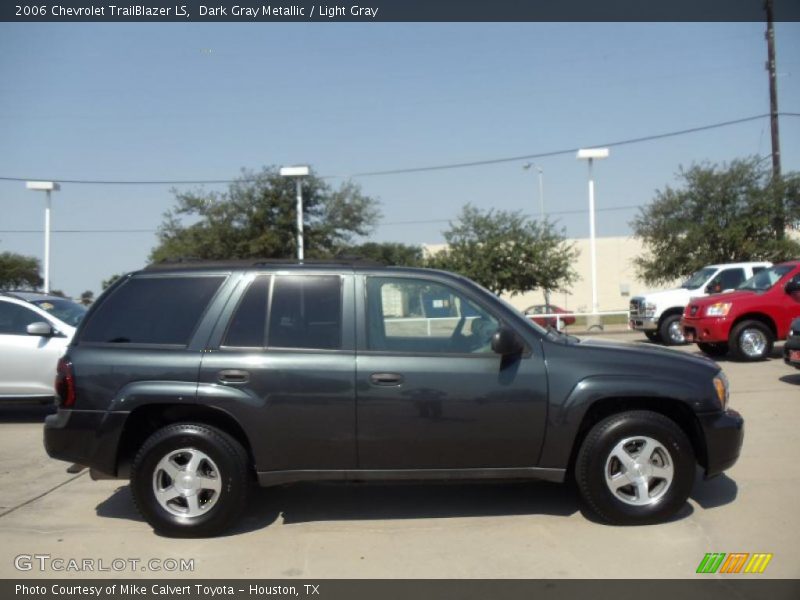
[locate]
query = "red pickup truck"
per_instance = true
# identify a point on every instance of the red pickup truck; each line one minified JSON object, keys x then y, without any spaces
{"x":747,"y":321}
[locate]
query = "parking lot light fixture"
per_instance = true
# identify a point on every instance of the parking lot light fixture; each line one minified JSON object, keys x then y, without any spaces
{"x":592,"y":154}
{"x":47,"y":187}
{"x":298,"y":173}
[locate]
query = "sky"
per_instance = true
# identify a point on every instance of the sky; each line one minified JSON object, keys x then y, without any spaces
{"x":175,"y":101}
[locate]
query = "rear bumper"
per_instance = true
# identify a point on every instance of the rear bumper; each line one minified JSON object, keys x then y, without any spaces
{"x":724,"y":434}
{"x":86,"y":437}
{"x":706,"y":330}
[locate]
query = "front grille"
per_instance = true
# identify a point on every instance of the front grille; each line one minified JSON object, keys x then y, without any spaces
{"x":637,"y":307}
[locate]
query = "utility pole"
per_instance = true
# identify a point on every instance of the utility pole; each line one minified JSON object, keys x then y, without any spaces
{"x":780,"y":224}
{"x":773,"y":93}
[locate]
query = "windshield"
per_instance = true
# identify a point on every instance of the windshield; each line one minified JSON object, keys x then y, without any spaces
{"x":698,"y":278}
{"x":765,"y":279}
{"x":63,"y":310}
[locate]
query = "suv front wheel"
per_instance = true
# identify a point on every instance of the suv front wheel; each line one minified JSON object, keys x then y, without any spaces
{"x":190,"y":480}
{"x":635,"y":468}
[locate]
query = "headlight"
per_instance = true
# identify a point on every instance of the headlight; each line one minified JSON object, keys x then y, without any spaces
{"x":720,"y":309}
{"x":722,"y":388}
{"x":649,"y":309}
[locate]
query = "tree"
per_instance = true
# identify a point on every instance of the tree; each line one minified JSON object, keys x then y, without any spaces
{"x":507,"y":253}
{"x":110,"y":281}
{"x":729,"y":213}
{"x":87,"y":297}
{"x":256,"y":218}
{"x":18,"y":271}
{"x":388,"y":253}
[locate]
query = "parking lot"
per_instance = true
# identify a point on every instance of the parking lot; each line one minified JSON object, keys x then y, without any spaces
{"x":521,"y":530}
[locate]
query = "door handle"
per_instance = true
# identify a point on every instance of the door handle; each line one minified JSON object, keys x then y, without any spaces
{"x":233,"y":376}
{"x":386,"y":379}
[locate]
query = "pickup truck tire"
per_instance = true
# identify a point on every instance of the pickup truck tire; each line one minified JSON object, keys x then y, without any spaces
{"x":670,"y":331}
{"x":635,"y":468}
{"x":190,"y":480}
{"x":751,"y":341}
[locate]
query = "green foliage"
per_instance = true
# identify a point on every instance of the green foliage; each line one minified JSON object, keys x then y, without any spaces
{"x":87,"y":297}
{"x":507,"y":253}
{"x":256,"y":218}
{"x":388,"y":253}
{"x":19,"y":272}
{"x":108,"y":282}
{"x":720,"y":214}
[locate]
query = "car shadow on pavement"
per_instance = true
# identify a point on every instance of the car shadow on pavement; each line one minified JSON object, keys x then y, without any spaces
{"x":719,"y":491}
{"x":315,"y":502}
{"x":793,"y":379}
{"x":307,"y":502}
{"x":25,"y":412}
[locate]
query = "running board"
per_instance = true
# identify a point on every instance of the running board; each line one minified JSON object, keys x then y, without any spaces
{"x":270,"y":478}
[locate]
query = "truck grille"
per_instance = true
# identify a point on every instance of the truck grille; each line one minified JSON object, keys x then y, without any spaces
{"x":637,"y":307}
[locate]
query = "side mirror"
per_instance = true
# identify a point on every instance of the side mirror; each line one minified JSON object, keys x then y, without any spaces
{"x":505,"y":342}
{"x":40,"y":328}
{"x":793,"y":285}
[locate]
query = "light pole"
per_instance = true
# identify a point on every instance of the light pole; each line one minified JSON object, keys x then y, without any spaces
{"x":540,"y":172}
{"x":47,"y":187}
{"x":541,"y":186}
{"x":591,"y":154}
{"x":298,"y":173}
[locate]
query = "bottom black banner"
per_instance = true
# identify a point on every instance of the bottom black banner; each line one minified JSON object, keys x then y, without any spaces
{"x":718,"y":588}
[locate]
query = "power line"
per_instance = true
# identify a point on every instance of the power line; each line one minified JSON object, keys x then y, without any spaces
{"x":417,"y":222}
{"x":401,"y":171}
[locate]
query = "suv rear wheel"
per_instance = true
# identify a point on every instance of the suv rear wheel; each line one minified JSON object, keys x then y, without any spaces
{"x":751,"y":340}
{"x":670,"y":330}
{"x":190,"y":480}
{"x":635,"y":468}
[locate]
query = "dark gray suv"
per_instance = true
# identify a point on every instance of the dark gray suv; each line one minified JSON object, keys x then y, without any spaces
{"x":194,"y":380}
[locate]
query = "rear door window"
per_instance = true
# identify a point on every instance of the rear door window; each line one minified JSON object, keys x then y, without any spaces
{"x":152,"y":310}
{"x":306,"y":312}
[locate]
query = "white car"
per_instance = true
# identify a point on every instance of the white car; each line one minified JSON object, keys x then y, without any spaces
{"x":35,"y":330}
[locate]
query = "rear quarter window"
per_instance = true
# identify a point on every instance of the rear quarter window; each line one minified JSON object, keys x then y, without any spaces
{"x":152,"y":310}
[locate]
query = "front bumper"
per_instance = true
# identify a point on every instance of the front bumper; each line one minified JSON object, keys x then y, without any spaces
{"x":706,"y":330}
{"x":643,"y":323}
{"x":793,"y":343}
{"x":724,"y":434}
{"x":86,"y":437}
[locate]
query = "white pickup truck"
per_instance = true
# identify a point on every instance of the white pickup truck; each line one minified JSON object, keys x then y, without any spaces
{"x":658,"y":314}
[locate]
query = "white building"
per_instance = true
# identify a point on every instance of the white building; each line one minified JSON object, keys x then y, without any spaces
{"x":616,"y":277}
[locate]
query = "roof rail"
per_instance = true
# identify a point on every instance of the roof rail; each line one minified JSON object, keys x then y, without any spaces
{"x":184,"y":262}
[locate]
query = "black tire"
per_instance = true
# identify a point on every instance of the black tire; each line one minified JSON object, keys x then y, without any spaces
{"x":653,"y":336}
{"x":716,"y":350}
{"x":595,"y":455}
{"x":667,"y":333}
{"x":233,"y":470}
{"x":742,"y":350}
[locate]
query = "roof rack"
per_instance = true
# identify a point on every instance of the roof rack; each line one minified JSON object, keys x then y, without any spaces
{"x":188,"y":262}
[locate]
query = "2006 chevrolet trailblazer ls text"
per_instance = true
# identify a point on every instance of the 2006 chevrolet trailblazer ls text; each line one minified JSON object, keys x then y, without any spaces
{"x":196,"y":379}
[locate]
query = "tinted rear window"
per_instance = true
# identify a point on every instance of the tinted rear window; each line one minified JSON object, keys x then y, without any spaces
{"x":152,"y":310}
{"x":306,"y":312}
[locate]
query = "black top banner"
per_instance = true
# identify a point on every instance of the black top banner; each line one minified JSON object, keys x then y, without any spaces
{"x":397,"y":10}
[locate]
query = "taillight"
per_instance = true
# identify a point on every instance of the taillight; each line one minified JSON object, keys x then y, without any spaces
{"x":65,"y":383}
